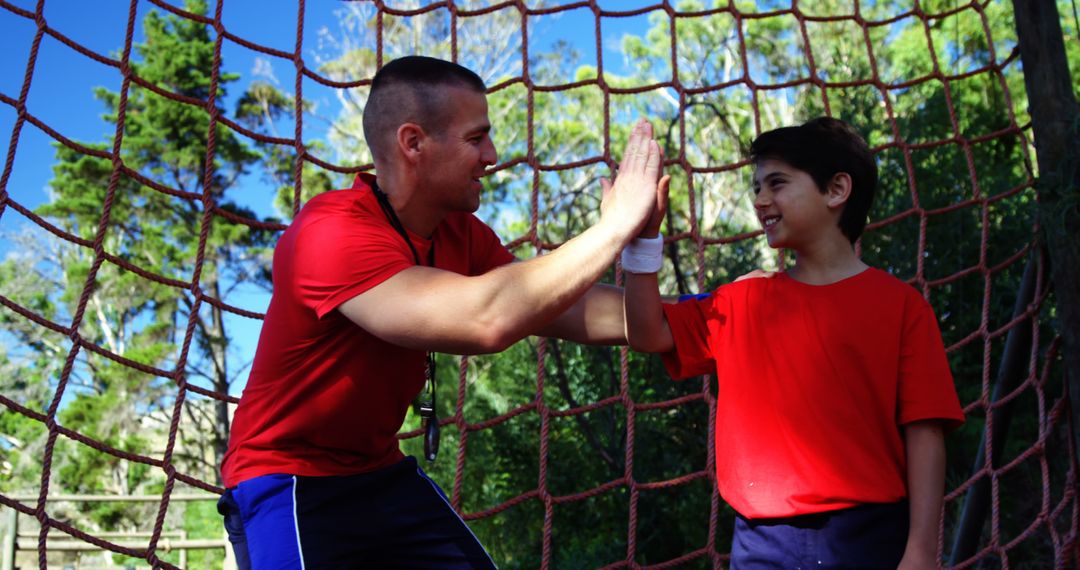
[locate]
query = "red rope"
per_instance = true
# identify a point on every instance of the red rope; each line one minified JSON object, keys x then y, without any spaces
{"x":1054,"y":510}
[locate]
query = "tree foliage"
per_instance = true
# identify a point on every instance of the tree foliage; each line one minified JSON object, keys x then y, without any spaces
{"x":162,"y":222}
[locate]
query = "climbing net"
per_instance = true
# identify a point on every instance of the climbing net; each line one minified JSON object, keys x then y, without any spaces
{"x":944,"y":114}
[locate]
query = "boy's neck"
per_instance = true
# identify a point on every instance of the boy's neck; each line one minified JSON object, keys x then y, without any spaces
{"x":826,"y":264}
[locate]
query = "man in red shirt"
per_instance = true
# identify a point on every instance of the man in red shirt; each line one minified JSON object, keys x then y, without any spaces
{"x":833,"y":385}
{"x":367,"y":283}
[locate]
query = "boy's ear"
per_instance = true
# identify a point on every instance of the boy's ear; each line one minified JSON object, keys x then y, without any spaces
{"x":410,"y":140}
{"x":838,"y":190}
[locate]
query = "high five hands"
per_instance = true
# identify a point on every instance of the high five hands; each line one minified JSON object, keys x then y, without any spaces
{"x":637,"y":200}
{"x":640,"y":180}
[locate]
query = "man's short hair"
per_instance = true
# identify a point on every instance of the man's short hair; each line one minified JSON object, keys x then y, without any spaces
{"x":824,"y":147}
{"x":413,"y":89}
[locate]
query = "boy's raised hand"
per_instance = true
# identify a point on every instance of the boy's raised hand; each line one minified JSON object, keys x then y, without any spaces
{"x":652,"y":227}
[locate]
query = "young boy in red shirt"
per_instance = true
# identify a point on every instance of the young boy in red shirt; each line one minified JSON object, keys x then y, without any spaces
{"x":833,"y":386}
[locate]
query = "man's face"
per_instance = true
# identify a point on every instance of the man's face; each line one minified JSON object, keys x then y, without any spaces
{"x":456,"y":159}
{"x":789,"y":205}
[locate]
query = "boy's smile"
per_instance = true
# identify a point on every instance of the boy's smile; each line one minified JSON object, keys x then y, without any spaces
{"x":768,"y":222}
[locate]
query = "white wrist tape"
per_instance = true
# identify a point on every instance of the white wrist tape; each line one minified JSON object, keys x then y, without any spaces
{"x":643,"y":255}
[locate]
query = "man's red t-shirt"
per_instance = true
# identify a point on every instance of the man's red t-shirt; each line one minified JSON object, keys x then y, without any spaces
{"x":325,"y":397}
{"x":815,"y":383}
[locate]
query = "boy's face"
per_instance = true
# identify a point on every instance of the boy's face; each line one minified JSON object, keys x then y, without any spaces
{"x":792,"y":210}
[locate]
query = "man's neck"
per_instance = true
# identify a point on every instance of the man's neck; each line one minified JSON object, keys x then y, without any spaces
{"x":417,"y":217}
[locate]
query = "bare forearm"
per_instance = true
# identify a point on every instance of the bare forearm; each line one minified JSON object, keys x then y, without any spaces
{"x":597,"y":318}
{"x":430,"y":309}
{"x":646,"y":327}
{"x":925,"y":445}
{"x":556,"y":294}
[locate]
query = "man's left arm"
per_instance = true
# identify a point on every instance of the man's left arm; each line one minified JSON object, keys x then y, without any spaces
{"x":596,"y":318}
{"x":925,"y":446}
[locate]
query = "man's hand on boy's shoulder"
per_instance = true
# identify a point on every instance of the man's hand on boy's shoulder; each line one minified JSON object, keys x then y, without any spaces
{"x":756,"y":274}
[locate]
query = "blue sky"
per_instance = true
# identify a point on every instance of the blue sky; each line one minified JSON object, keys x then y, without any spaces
{"x":61,"y":90}
{"x":63,"y":80}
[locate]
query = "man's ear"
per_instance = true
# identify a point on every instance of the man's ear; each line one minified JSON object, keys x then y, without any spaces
{"x":410,"y":140}
{"x":838,"y":190}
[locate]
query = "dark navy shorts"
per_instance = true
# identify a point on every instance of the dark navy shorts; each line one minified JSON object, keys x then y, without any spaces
{"x":392,"y":518}
{"x":864,"y":537}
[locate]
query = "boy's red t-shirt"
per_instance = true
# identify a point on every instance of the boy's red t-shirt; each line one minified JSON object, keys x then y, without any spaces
{"x":326,"y":397}
{"x":815,"y":383}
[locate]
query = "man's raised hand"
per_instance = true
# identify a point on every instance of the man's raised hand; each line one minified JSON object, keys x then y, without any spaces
{"x":633,"y":198}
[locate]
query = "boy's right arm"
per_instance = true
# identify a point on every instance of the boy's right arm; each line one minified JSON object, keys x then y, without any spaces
{"x":647,"y":328}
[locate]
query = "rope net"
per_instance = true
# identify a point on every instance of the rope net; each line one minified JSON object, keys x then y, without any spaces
{"x":586,"y":457}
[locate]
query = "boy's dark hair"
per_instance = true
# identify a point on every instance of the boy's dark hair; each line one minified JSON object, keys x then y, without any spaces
{"x":413,"y":89}
{"x":823,"y":147}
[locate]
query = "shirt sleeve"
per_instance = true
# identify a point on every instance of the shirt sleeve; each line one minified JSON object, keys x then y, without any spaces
{"x":692,"y":355}
{"x":337,"y":258}
{"x":926,"y":384}
{"x":488,"y":251}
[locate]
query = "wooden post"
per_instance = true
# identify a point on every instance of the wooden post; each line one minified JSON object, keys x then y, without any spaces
{"x":9,"y":540}
{"x":1013,"y":371}
{"x":1054,"y":118}
{"x":183,"y":551}
{"x":230,"y":556}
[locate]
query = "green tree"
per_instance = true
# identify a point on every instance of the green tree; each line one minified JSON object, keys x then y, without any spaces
{"x":166,"y":141}
{"x":168,"y":210}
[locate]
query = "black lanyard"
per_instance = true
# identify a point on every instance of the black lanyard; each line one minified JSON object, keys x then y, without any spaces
{"x":428,"y":416}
